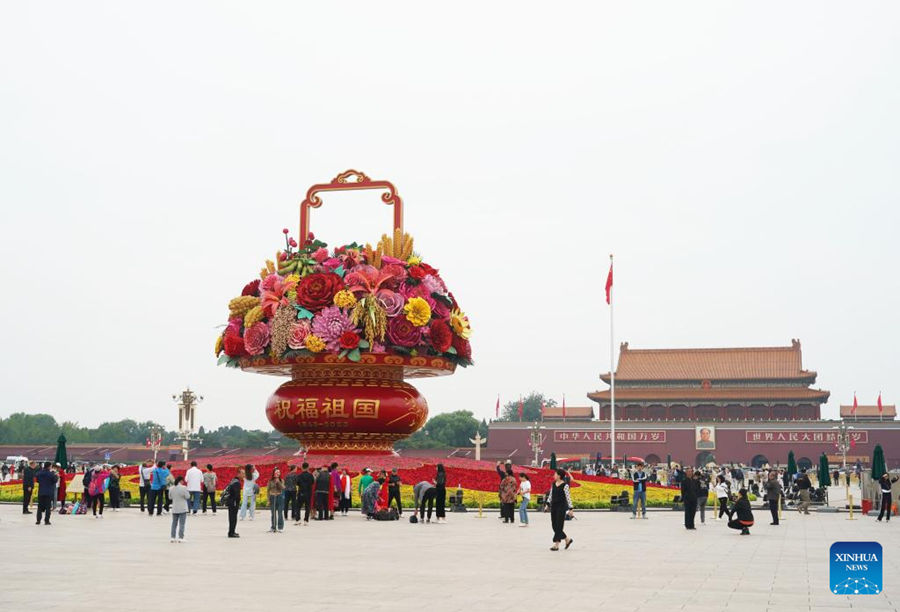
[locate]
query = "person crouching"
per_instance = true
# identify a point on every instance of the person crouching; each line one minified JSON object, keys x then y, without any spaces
{"x":743,"y":516}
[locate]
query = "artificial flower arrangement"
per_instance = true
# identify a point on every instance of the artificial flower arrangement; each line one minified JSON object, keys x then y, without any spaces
{"x":347,"y":301}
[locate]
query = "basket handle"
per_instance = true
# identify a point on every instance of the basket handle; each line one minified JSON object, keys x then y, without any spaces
{"x":343,"y":182}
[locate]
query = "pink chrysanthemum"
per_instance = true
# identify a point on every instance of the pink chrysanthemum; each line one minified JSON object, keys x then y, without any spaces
{"x":299,"y":331}
{"x":256,"y":338}
{"x":329,"y":324}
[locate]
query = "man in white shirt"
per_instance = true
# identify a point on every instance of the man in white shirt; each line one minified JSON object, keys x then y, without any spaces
{"x":194,"y":479}
{"x":146,"y":472}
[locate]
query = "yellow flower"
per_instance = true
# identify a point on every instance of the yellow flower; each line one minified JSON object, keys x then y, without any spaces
{"x":314,"y":343}
{"x":219,"y":341}
{"x":418,"y":312}
{"x":460,"y":324}
{"x":254,"y":315}
{"x":344,"y":299}
{"x":414,"y":260}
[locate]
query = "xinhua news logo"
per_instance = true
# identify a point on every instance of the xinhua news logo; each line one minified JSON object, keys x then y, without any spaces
{"x":856,"y":568}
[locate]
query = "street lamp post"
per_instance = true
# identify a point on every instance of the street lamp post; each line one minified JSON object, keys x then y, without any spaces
{"x":536,"y":439}
{"x":155,"y":441}
{"x":843,"y":445}
{"x":187,"y":410}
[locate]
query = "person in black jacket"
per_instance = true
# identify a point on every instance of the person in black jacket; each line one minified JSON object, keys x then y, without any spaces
{"x":744,"y":517}
{"x":27,"y":486}
{"x":440,"y":491}
{"x":323,"y":484}
{"x":803,"y":486}
{"x":305,"y":483}
{"x":690,"y":491}
{"x":394,"y":490}
{"x":232,"y":496}
{"x":886,"y":500}
{"x":46,"y":485}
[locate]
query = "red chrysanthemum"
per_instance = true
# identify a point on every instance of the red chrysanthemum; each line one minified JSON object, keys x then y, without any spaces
{"x":234,"y":345}
{"x":463,"y":348}
{"x":317,"y":291}
{"x":417,"y":272}
{"x":429,"y":270}
{"x":251,"y":288}
{"x":441,"y":336}
{"x":349,"y":340}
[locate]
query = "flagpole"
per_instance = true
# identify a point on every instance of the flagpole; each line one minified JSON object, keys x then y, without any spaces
{"x":612,"y":375}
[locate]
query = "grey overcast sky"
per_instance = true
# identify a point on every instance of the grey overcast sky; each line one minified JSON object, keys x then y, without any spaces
{"x":740,"y":159}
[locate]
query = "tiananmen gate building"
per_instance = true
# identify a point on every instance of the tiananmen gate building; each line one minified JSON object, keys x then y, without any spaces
{"x":728,"y":405}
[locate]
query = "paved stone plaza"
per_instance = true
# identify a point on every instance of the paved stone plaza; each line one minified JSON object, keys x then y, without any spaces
{"x":127,"y":561}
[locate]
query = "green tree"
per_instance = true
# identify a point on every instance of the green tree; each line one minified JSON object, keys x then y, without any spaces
{"x":531,"y":408}
{"x":447,"y":430}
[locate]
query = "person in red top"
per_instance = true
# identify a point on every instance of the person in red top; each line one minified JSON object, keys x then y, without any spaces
{"x":346,"y":487}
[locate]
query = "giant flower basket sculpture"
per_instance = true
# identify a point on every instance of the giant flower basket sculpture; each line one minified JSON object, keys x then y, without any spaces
{"x":348,"y":325}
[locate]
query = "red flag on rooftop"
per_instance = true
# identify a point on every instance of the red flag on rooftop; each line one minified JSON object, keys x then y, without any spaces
{"x":497,"y":409}
{"x":543,"y":407}
{"x":564,"y":405}
{"x":609,"y":281}
{"x":521,"y":409}
{"x":880,"y":407}
{"x":853,"y":410}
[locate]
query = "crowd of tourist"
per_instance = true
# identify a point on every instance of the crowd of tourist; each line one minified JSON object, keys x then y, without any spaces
{"x":322,"y":492}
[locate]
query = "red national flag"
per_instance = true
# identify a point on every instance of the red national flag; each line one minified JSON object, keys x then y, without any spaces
{"x":497,"y":409}
{"x":853,"y":410}
{"x":564,"y":406}
{"x":609,"y":283}
{"x":543,"y":407}
{"x":521,"y":408}
{"x":880,"y":407}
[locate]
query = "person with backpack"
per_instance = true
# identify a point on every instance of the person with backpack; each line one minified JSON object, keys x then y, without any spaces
{"x":231,"y":499}
{"x":181,"y":499}
{"x":209,"y":487}
{"x":251,"y":488}
{"x":275,"y":493}
{"x":158,"y":477}
{"x":98,"y":489}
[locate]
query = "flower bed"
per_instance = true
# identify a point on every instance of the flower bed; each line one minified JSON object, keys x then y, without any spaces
{"x":478,"y":479}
